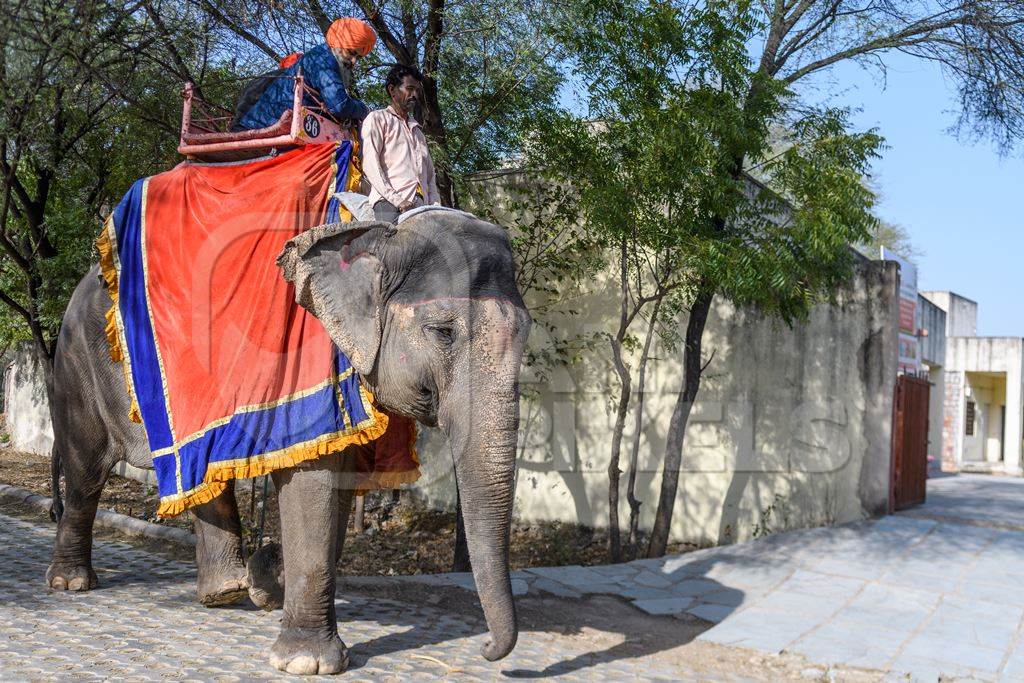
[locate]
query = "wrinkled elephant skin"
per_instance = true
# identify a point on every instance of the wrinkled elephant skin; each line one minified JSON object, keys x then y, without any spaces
{"x":431,"y":319}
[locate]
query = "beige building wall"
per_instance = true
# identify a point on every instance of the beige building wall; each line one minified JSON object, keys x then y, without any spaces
{"x":26,"y":409}
{"x":791,"y":428}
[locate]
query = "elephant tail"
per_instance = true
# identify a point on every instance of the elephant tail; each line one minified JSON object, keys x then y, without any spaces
{"x":57,"y":505}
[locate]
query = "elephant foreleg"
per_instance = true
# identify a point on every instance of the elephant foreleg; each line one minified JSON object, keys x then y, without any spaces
{"x":311,"y":499}
{"x":219,"y":551}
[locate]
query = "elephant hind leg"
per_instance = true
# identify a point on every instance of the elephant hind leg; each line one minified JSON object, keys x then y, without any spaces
{"x":220,"y":556}
{"x":71,"y":567}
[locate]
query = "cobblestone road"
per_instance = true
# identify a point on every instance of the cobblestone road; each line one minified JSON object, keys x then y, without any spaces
{"x":144,"y":624}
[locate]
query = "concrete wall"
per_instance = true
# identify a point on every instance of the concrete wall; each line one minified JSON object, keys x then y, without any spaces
{"x":952,"y":420}
{"x":931,"y":326}
{"x":936,"y":416}
{"x":792,"y":426}
{"x":961,"y":313}
{"x":931,"y":322}
{"x":27,"y":415}
{"x":27,"y":412}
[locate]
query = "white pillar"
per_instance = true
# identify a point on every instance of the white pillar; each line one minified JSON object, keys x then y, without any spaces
{"x":1014,"y":413}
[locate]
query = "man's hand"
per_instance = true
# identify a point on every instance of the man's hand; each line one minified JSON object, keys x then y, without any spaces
{"x":405,"y":206}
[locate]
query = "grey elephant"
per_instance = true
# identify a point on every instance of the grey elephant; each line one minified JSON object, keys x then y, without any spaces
{"x":431,"y":319}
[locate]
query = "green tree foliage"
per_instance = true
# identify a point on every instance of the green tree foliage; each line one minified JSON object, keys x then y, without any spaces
{"x":673,"y":100}
{"x":89,"y":102}
{"x":676,"y":158}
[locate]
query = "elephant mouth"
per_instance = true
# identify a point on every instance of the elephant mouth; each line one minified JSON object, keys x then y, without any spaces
{"x":425,"y":405}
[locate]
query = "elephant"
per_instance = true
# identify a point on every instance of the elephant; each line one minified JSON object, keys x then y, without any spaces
{"x":429,"y":314}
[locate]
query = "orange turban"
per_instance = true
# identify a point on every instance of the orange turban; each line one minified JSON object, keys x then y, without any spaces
{"x":351,"y":34}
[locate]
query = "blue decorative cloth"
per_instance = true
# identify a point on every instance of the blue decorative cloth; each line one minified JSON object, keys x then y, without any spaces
{"x":229,"y":377}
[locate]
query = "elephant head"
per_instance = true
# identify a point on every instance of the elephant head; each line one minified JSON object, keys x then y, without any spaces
{"x":431,"y":319}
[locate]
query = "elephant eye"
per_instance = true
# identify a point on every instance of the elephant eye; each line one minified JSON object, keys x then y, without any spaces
{"x":443,"y":334}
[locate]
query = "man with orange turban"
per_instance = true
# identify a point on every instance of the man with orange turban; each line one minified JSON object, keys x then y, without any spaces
{"x":327,"y":69}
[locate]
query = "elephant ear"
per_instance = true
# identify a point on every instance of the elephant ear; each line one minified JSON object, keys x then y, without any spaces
{"x":337,"y":276}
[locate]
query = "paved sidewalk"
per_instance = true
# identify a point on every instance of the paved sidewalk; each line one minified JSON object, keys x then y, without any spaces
{"x":926,"y":596}
{"x":934,"y":592}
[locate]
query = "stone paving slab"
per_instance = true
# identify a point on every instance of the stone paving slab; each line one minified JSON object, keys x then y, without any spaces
{"x":929,"y":599}
{"x":917,"y":596}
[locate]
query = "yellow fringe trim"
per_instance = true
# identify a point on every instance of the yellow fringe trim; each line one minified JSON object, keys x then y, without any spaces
{"x":355,"y":169}
{"x":217,"y":474}
{"x":113,"y":328}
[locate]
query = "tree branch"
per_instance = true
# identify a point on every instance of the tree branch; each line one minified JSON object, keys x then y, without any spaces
{"x":238,"y":30}
{"x":16,"y":307}
{"x":316,"y":10}
{"x":400,"y":52}
{"x":913,"y":34}
{"x":183,"y":71}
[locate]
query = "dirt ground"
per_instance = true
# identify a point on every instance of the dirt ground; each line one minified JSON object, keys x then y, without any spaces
{"x":398,"y":539}
{"x":610,"y":629}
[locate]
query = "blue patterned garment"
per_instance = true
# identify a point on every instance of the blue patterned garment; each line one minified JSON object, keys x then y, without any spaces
{"x":320,"y":69}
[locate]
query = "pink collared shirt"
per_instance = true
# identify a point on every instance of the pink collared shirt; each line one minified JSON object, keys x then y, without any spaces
{"x":396,"y":160}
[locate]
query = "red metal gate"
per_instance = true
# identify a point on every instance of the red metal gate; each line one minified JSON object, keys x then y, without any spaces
{"x":909,"y":443}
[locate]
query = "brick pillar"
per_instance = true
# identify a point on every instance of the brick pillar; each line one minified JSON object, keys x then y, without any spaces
{"x":952,"y":421}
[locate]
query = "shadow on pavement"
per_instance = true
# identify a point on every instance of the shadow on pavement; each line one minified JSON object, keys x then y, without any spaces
{"x":590,"y":631}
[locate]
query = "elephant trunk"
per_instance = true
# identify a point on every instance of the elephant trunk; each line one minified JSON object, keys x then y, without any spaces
{"x":484,"y":447}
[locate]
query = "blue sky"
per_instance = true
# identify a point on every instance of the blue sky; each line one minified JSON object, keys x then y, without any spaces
{"x":960,"y":201}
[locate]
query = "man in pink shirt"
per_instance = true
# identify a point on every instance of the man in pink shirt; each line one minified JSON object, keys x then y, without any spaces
{"x":396,"y":161}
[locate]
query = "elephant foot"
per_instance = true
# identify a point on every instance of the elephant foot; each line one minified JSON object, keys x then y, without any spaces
{"x":68,"y":577}
{"x":217,"y":589}
{"x":308,"y":652}
{"x":266,"y":577}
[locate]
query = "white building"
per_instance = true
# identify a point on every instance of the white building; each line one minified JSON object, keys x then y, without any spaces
{"x":931,"y":340}
{"x":983,"y":410}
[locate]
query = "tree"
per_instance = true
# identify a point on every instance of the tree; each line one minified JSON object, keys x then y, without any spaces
{"x":707,"y":81}
{"x":86,"y":106}
{"x":979,"y":45}
{"x":672,"y":102}
{"x":892,"y":236}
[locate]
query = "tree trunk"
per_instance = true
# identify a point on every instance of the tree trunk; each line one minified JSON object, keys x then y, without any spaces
{"x":634,"y":504}
{"x":359,"y":522}
{"x":625,"y":386}
{"x":692,"y":370}
{"x":614,"y":473}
